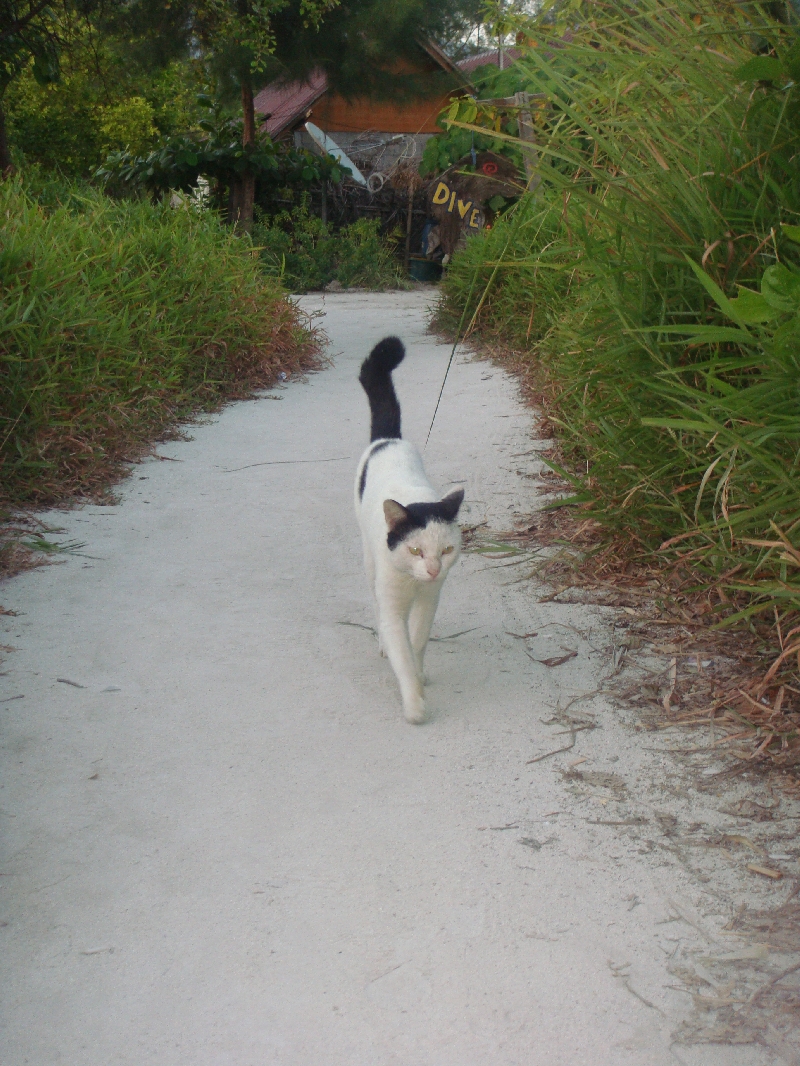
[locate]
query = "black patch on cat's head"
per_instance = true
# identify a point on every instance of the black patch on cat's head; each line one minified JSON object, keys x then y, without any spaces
{"x":405,"y":520}
{"x":362,"y":481}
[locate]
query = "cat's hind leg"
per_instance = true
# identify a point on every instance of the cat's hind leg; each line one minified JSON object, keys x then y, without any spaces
{"x":369,"y":569}
{"x":420,"y":622}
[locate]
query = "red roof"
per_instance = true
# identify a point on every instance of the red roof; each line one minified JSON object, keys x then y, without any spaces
{"x":483,"y":59}
{"x":283,"y":104}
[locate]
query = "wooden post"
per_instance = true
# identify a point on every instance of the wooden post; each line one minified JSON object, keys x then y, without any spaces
{"x":409,"y":220}
{"x":521,"y":102}
{"x":527,"y":133}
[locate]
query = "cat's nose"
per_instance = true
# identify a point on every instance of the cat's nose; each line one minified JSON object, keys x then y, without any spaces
{"x":433,"y":569}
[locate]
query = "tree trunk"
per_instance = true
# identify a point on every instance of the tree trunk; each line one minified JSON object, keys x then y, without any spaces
{"x":6,"y":166}
{"x":234,"y":200}
{"x":248,"y":195}
{"x":248,"y":111}
{"x":243,"y":188}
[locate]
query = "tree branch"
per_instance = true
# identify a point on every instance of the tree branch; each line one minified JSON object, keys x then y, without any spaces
{"x":21,"y":23}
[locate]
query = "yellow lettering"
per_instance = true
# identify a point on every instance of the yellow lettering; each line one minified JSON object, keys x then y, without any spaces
{"x":442,"y":194}
{"x":474,"y":219}
{"x":464,"y":207}
{"x":451,"y":205}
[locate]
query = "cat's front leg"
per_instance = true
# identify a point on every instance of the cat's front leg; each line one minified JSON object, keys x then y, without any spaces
{"x":394,"y":634}
{"x":395,"y":639}
{"x":420,"y":622}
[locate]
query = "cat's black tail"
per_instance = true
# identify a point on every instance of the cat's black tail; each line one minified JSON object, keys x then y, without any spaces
{"x":376,"y":377}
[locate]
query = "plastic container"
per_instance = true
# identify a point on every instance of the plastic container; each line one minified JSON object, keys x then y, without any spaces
{"x":421,"y":269}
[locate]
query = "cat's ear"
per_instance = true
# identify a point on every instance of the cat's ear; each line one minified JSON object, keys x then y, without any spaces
{"x":450,"y":504}
{"x":395,"y":513}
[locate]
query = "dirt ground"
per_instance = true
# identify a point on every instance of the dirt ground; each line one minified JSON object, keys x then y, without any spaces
{"x":223,"y":844}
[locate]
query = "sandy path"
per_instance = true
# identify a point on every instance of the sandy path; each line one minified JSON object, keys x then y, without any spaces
{"x":225,"y":845}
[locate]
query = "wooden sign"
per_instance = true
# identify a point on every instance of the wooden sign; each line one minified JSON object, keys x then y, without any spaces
{"x":457,"y":199}
{"x":471,"y":216}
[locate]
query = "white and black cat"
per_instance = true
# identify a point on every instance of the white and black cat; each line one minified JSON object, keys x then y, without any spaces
{"x":410,"y":535}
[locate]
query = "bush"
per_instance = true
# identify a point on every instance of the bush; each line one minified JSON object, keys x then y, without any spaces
{"x":307,"y":254}
{"x":56,"y":125}
{"x":446,"y":148}
{"x":128,"y":125}
{"x":116,"y":320}
{"x":654,"y":281}
{"x":102,"y":102}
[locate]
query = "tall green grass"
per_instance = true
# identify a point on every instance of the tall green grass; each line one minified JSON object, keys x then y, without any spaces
{"x":116,"y":320}
{"x":655,"y":284}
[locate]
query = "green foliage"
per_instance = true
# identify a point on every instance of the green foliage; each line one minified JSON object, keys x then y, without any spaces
{"x":490,"y":83}
{"x":307,"y":254}
{"x":179,"y":162}
{"x":297,"y":247}
{"x":369,"y":48}
{"x":238,"y":35}
{"x":129,"y":124}
{"x":363,"y":258}
{"x":31,"y":34}
{"x":101,"y":103}
{"x":65,"y":127}
{"x":656,"y":282}
{"x":58,"y":125}
{"x":215,"y":152}
{"x":442,"y":151}
{"x":116,"y":320}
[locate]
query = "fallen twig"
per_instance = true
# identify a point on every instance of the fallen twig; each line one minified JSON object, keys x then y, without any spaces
{"x":461,"y":633}
{"x":554,"y":660}
{"x":557,"y":751}
{"x":773,"y":981}
{"x":279,"y":462}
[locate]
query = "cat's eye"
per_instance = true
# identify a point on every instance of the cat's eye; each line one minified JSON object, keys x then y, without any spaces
{"x":415,"y":551}
{"x":446,"y":551}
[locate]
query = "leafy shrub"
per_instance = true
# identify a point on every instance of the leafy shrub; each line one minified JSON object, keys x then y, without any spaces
{"x":307,"y":254}
{"x":116,"y":320}
{"x":654,"y":283}
{"x":100,"y":104}
{"x":56,"y":125}
{"x":214,"y":152}
{"x":128,"y":124}
{"x":297,"y":247}
{"x":363,"y":258}
{"x":454,"y":143}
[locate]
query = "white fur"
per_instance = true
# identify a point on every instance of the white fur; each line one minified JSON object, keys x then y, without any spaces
{"x":406,"y":587}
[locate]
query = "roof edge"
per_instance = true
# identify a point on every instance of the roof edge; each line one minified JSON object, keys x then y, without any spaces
{"x":427,"y":44}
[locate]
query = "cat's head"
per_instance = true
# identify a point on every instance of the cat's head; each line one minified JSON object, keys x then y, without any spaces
{"x":423,"y":538}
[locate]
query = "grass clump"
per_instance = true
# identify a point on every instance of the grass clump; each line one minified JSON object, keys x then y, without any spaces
{"x":307,"y":253}
{"x":654,"y":281}
{"x":116,"y":320}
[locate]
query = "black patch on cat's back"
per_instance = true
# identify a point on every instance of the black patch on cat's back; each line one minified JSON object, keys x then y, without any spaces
{"x":362,"y":481}
{"x":420,"y":514}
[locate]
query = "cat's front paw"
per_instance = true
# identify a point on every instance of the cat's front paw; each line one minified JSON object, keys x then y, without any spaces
{"x":414,"y":710}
